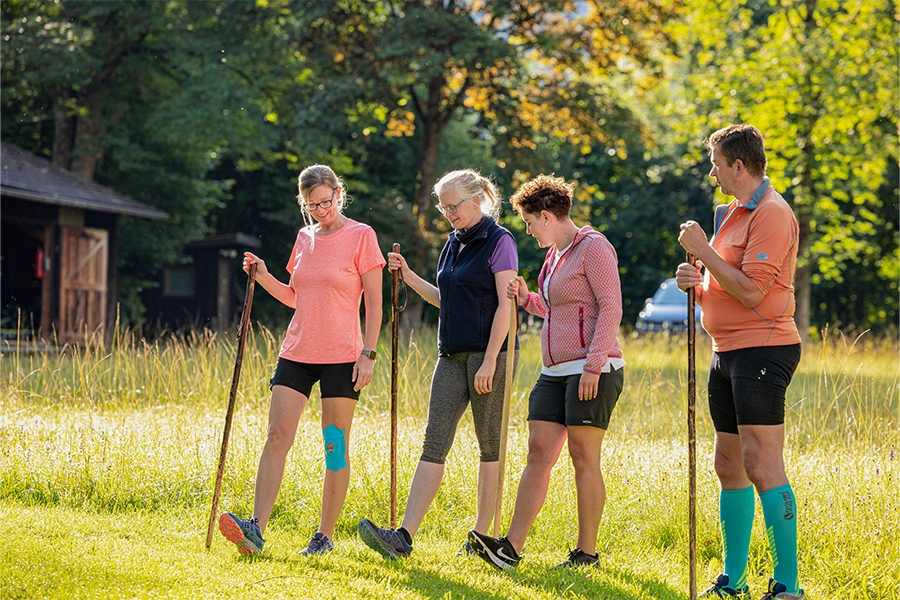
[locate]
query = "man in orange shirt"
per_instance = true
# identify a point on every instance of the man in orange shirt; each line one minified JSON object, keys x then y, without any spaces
{"x":747,"y":296}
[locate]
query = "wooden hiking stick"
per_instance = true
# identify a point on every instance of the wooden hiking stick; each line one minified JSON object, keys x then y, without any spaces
{"x":507,"y":394}
{"x":395,"y":335}
{"x":692,"y":435}
{"x":229,"y":415}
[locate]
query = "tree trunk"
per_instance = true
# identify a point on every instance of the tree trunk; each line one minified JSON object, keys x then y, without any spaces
{"x":87,"y":149}
{"x":802,"y":281}
{"x":433,"y":124}
{"x":64,"y":125}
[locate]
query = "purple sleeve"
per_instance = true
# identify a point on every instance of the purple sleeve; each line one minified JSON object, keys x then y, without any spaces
{"x":505,"y":256}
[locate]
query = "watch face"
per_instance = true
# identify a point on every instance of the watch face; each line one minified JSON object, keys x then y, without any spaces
{"x":370,"y":353}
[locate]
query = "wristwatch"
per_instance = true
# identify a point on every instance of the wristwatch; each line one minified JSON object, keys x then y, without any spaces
{"x":370,"y":353}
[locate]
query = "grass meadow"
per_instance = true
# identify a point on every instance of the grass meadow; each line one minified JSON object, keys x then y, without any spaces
{"x":108,"y":459}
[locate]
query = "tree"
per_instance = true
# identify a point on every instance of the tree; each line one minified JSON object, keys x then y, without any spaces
{"x":526,"y":69}
{"x":820,"y":80}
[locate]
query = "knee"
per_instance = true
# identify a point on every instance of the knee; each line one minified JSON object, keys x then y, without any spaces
{"x":541,"y":457}
{"x":584,"y":457}
{"x":761,"y":468}
{"x":729,"y":467}
{"x":335,"y":448}
{"x":279,"y":439}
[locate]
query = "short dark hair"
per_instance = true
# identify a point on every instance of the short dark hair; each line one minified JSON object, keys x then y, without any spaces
{"x":744,"y":142}
{"x":544,"y":192}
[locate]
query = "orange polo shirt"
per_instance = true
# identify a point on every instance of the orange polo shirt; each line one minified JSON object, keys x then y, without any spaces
{"x":760,"y":239}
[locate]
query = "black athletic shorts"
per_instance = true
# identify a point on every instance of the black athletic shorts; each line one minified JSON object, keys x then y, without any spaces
{"x":335,"y":380}
{"x":747,"y":386}
{"x":555,"y":399}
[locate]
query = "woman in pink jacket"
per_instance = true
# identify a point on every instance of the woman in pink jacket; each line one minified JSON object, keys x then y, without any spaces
{"x":580,"y":300}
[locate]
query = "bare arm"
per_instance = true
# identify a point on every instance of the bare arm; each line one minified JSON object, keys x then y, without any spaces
{"x":365,"y":366}
{"x":499,"y":330}
{"x":732,"y":279}
{"x":280,"y":291}
{"x":428,"y":291}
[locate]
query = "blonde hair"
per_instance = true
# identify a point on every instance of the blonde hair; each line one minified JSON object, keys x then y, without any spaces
{"x":312,"y":177}
{"x":469,"y":184}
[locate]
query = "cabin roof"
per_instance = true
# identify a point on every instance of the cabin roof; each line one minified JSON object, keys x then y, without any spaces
{"x":29,"y":177}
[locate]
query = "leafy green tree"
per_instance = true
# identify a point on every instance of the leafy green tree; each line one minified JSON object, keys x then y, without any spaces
{"x":410,"y":67}
{"x":820,"y":79}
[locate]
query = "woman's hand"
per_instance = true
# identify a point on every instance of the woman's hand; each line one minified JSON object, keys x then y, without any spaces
{"x":362,"y":372}
{"x":484,"y":378}
{"x":588,"y":386}
{"x":252,"y":259}
{"x":517,"y":289}
{"x":396,"y":261}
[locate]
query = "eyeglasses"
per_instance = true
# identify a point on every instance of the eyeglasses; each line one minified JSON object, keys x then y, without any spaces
{"x":450,"y":209}
{"x":314,"y":206}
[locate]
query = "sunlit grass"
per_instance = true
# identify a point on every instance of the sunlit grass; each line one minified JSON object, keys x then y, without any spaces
{"x":108,"y":456}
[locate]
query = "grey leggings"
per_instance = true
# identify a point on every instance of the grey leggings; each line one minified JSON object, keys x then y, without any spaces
{"x":452,"y":387}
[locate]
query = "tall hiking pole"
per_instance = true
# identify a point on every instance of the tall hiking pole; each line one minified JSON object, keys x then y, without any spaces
{"x":692,"y":434}
{"x":507,"y":394}
{"x":395,"y":335}
{"x":229,"y":415}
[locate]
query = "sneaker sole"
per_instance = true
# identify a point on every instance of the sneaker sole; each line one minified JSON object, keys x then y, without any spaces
{"x":484,"y":553}
{"x":232,"y":532}
{"x":367,"y":534}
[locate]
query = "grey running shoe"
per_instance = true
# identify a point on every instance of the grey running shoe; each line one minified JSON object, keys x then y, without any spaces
{"x":779,"y":590}
{"x":245,"y":534}
{"x":579,"y":558}
{"x":390,"y":543}
{"x":497,"y":552}
{"x":722,"y":589}
{"x":319,"y":544}
{"x":465,"y":550}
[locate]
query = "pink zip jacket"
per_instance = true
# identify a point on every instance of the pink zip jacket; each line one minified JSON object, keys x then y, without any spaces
{"x":582,"y":317}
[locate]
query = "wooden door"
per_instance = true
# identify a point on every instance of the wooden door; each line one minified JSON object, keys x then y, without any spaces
{"x":84,"y":254}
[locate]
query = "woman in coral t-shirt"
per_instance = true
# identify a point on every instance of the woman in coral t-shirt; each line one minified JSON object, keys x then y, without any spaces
{"x":335,"y":261}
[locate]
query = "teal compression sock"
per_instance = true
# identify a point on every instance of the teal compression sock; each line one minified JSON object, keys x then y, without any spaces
{"x":736,"y":517}
{"x":780,"y":512}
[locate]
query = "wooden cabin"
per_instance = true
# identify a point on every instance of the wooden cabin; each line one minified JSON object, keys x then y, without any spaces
{"x":57,"y":249}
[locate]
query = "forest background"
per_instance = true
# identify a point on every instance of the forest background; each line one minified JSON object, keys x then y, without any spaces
{"x":208,"y":110}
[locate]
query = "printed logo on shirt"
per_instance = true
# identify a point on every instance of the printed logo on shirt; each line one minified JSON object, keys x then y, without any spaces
{"x":762,"y":256}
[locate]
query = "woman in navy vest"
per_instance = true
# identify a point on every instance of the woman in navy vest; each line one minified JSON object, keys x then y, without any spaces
{"x":475,"y":266}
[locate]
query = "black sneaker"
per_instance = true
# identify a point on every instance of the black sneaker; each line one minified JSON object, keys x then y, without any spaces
{"x":722,"y":589}
{"x":319,"y":544}
{"x":579,"y":558}
{"x":465,"y":550}
{"x":497,"y":552}
{"x":390,"y":543}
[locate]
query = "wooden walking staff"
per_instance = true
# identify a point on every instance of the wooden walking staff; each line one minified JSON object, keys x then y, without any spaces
{"x":396,"y":309}
{"x":229,"y":415}
{"x":507,"y":394}
{"x":692,"y":435}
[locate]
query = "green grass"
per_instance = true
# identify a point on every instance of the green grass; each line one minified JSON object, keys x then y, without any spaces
{"x":108,"y":457}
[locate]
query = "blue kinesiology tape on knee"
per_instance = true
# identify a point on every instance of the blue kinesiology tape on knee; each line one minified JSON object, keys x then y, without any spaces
{"x":334,"y":448}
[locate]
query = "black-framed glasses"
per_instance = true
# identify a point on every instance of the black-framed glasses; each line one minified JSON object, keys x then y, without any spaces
{"x":450,"y":209}
{"x":314,"y":206}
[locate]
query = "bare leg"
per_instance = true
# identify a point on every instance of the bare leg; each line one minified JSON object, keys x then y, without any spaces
{"x":422,"y":490}
{"x":488,"y":473}
{"x":284,"y":414}
{"x":584,"y":447}
{"x":337,"y":412}
{"x":545,"y":442}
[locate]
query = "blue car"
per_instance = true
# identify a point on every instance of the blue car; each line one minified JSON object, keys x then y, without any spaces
{"x":666,"y":310}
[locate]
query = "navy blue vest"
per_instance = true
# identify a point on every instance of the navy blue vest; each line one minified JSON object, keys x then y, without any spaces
{"x":468,"y":292}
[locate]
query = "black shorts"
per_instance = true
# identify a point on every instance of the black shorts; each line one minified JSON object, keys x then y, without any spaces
{"x":555,"y":399}
{"x":747,"y":386}
{"x":335,"y":380}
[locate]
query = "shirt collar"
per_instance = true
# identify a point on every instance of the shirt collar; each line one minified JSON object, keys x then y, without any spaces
{"x":754,"y":199}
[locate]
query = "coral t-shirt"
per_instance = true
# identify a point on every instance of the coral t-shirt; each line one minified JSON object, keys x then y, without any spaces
{"x":326,"y":276}
{"x":759,"y":238}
